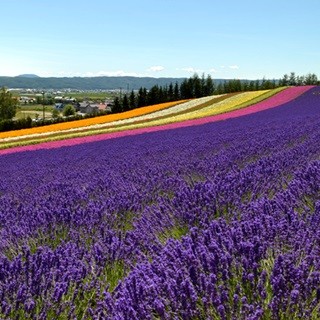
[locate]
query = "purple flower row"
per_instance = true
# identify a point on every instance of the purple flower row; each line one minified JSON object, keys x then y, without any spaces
{"x":214,"y":221}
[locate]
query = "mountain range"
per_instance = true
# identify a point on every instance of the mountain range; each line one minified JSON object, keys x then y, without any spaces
{"x":31,"y":81}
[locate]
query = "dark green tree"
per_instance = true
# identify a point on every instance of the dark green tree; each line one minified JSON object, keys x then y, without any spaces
{"x":266,"y":84}
{"x":55,"y":113}
{"x":197,"y":86}
{"x":116,"y":105}
{"x":245,"y":86}
{"x":132,"y":100}
{"x":292,"y":79}
{"x":220,"y":88}
{"x":311,"y":79}
{"x":251,"y":85}
{"x":142,"y":97}
{"x":209,"y":86}
{"x":176,"y":92}
{"x":235,"y":85}
{"x":163,"y":94}
{"x":8,"y":104}
{"x":153,"y":95}
{"x":186,"y":91}
{"x":203,"y":85}
{"x":285,"y":80}
{"x":23,"y":123}
{"x":257,"y":85}
{"x":69,"y":110}
{"x":170,"y":93}
{"x":300,"y":80}
{"x":125,"y":103}
{"x":226,"y":87}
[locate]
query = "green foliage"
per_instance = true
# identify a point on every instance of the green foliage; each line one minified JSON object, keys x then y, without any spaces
{"x":142,"y":97}
{"x":116,"y":105}
{"x":8,"y":104}
{"x":9,"y":124}
{"x":6,"y":125}
{"x":55,"y":113}
{"x":175,"y":232}
{"x":23,"y":123}
{"x":125,"y":103}
{"x":69,"y":110}
{"x":294,"y":80}
{"x":132,"y":100}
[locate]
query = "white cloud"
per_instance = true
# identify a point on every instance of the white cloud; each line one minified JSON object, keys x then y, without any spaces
{"x":156,"y":68}
{"x":192,"y":70}
{"x":212,"y":70}
{"x":116,"y":73}
{"x":233,"y":67}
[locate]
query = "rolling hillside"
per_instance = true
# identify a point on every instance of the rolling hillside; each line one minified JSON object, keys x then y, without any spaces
{"x":179,"y":113}
{"x":213,"y":217}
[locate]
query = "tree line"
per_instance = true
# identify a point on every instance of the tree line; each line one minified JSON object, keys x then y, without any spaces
{"x":193,"y":87}
{"x":295,"y":80}
{"x":197,"y":87}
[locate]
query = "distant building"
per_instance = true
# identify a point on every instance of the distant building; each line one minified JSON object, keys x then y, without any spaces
{"x":109,"y":105}
{"x":88,"y":107}
{"x":63,"y":99}
{"x":26,"y":100}
{"x":59,"y":106}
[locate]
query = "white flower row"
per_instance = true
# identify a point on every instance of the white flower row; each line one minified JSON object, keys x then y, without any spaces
{"x":160,"y":113}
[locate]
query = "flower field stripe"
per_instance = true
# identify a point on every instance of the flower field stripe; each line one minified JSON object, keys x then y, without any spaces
{"x":279,"y":99}
{"x":183,"y":108}
{"x":163,"y":116}
{"x":74,"y":138}
{"x":202,"y":107}
{"x":114,"y":126}
{"x":91,"y":121}
{"x":213,"y":221}
{"x":180,"y":107}
{"x":103,"y":128}
{"x":162,"y":113}
{"x":225,"y":100}
{"x":220,"y":107}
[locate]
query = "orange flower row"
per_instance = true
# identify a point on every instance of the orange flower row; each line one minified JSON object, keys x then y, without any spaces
{"x":90,"y":121}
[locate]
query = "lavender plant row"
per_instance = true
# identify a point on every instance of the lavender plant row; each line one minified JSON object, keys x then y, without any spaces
{"x":219,"y":221}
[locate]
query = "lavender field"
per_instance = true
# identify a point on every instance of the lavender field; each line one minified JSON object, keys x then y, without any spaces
{"x":215,"y":221}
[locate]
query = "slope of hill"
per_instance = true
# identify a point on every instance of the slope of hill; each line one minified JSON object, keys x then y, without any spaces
{"x":213,"y":221}
{"x":151,"y":118}
{"x":28,"y":75}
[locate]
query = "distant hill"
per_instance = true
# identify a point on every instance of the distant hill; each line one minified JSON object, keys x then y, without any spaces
{"x":85,"y":83}
{"x":28,"y":75}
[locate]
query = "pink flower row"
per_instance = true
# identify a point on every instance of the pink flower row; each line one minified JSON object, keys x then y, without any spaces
{"x":274,"y":101}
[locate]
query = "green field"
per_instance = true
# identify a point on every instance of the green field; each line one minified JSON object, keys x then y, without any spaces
{"x":32,"y":110}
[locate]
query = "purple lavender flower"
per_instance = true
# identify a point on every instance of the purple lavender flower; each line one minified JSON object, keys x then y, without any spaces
{"x":218,"y":220}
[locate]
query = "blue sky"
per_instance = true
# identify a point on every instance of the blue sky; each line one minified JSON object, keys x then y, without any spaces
{"x":227,"y":39}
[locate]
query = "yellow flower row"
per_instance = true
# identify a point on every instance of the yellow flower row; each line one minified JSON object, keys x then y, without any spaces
{"x":221,"y":107}
{"x":225,"y":105}
{"x":90,"y":121}
{"x":217,"y":106}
